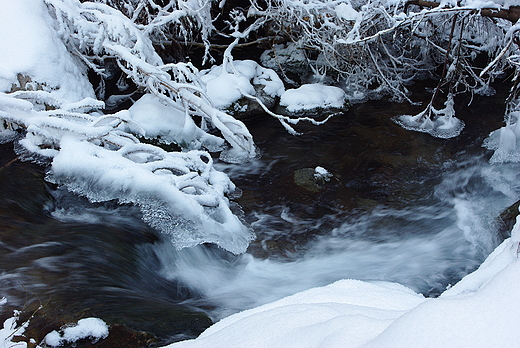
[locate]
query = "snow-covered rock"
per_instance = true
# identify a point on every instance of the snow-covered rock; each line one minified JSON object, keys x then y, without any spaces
{"x":313,"y":97}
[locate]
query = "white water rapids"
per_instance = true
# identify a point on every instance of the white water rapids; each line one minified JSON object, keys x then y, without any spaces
{"x":426,"y":246}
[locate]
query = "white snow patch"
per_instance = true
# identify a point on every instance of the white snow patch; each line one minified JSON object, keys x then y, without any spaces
{"x":226,"y":86}
{"x":93,"y":328}
{"x":11,"y":329}
{"x":312,"y":96}
{"x":30,"y":46}
{"x":347,"y":12}
{"x":167,"y":123}
{"x":322,"y":173}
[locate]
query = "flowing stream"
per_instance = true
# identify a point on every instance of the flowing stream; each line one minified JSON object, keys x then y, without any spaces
{"x":401,"y":206}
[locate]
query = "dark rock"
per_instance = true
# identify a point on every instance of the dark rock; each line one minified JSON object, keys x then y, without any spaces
{"x":245,"y":108}
{"x":506,"y":221}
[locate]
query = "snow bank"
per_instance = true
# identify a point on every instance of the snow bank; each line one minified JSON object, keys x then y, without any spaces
{"x":323,"y":316}
{"x":482,"y":310}
{"x":313,"y":96}
{"x":29,"y":46}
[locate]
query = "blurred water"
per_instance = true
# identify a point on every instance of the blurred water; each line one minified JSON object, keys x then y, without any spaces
{"x":426,"y":246}
{"x":401,"y":206}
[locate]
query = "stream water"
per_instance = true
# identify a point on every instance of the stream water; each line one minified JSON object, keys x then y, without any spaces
{"x":401,"y":206}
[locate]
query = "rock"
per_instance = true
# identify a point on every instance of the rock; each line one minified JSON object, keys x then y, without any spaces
{"x":287,"y":59}
{"x":311,"y":179}
{"x":245,"y":107}
{"x":506,"y":220}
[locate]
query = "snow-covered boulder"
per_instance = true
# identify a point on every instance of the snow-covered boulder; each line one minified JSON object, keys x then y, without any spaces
{"x":227,"y":87}
{"x":313,"y":98}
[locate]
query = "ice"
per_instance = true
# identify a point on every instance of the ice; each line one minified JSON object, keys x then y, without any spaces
{"x":504,"y":142}
{"x":91,"y":328}
{"x":180,"y":194}
{"x":312,"y":96}
{"x":443,"y":127}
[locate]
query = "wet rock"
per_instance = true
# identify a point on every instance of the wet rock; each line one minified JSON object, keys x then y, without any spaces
{"x":123,"y":336}
{"x":25,"y":83}
{"x":311,"y":179}
{"x":506,"y":221}
{"x":286,"y":58}
{"x":245,"y":108}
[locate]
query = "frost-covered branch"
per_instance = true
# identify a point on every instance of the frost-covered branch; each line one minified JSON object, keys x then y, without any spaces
{"x":98,"y":30}
{"x":378,"y":47}
{"x":53,"y":115}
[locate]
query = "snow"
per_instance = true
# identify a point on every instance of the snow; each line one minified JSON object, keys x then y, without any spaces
{"x":347,"y":12}
{"x":11,"y":329}
{"x":92,"y":328}
{"x":312,"y":96}
{"x":226,"y":85}
{"x":169,"y":124}
{"x":30,"y":46}
{"x":180,"y":194}
{"x":322,"y":173}
{"x":479,"y":311}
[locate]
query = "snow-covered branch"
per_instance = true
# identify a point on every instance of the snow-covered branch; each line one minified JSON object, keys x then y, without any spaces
{"x":100,"y":156}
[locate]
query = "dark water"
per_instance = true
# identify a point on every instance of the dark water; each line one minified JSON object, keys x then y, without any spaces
{"x":401,"y":206}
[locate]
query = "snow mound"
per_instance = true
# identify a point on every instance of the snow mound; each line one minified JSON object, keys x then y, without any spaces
{"x":92,"y":328}
{"x":313,"y":96}
{"x":226,"y":84}
{"x":29,"y":46}
{"x":170,"y":125}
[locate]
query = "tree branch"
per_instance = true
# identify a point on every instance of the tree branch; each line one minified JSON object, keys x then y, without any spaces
{"x":512,"y":13}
